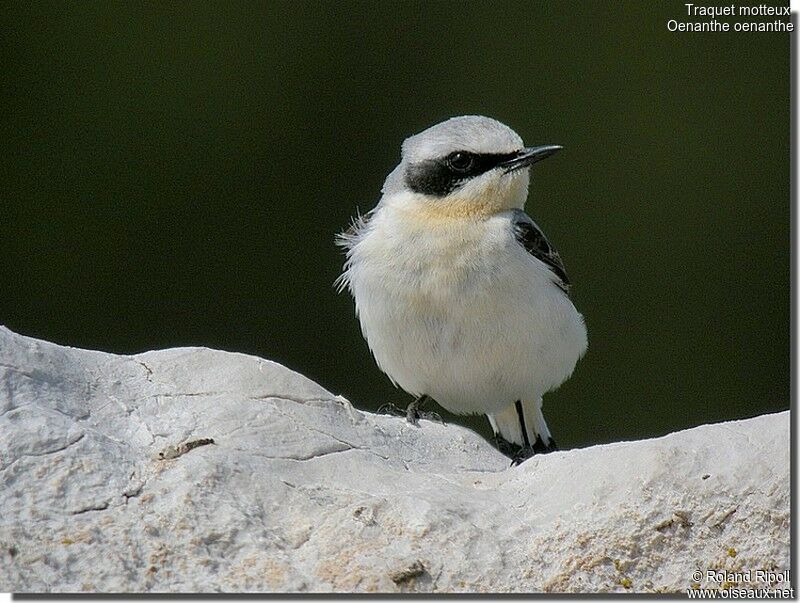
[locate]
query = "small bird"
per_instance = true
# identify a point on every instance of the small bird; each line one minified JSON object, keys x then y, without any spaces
{"x":460,"y":296}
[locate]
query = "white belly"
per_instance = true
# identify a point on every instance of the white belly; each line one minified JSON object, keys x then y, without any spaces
{"x":463,"y":314}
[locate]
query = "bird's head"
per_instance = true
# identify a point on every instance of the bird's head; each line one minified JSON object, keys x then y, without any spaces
{"x":465,"y":166}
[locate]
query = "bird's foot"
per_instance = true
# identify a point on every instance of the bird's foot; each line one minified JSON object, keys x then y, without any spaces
{"x":391,"y":409}
{"x":518,"y":454}
{"x":412,"y":413}
{"x":539,"y":447}
{"x":427,"y":416}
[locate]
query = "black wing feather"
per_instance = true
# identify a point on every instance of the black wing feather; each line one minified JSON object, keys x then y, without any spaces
{"x":533,"y":240}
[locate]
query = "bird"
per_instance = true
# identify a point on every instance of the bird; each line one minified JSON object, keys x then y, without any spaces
{"x":460,"y":296}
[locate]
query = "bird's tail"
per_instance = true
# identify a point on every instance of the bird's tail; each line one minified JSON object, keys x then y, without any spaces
{"x":523,"y":424}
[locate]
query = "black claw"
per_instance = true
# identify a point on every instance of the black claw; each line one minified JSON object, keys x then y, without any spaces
{"x":539,"y":447}
{"x":414,"y":414}
{"x":518,"y":454}
{"x":391,"y":409}
{"x":432,"y":416}
{"x":522,"y":455}
{"x":425,"y":416}
{"x":504,"y":446}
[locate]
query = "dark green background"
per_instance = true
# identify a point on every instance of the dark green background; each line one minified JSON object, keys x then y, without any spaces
{"x":174,"y":174}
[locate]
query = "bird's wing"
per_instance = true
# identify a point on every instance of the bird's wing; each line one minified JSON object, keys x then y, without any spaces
{"x":530,"y":236}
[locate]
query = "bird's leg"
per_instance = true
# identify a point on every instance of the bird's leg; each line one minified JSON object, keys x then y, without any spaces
{"x":414,"y":414}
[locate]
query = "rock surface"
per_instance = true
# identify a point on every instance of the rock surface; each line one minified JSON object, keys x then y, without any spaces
{"x":109,"y":482}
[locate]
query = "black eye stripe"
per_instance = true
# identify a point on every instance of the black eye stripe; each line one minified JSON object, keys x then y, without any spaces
{"x":436,"y":177}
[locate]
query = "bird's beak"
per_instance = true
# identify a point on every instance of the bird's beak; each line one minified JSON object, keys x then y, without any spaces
{"x":530,"y":155}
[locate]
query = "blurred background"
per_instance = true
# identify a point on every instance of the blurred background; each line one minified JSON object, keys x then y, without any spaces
{"x":173,"y":174}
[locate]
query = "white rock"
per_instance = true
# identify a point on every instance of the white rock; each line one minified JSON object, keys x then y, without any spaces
{"x":301,"y":492}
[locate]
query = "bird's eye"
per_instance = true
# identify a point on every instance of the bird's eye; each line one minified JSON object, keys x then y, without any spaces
{"x":460,"y":161}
